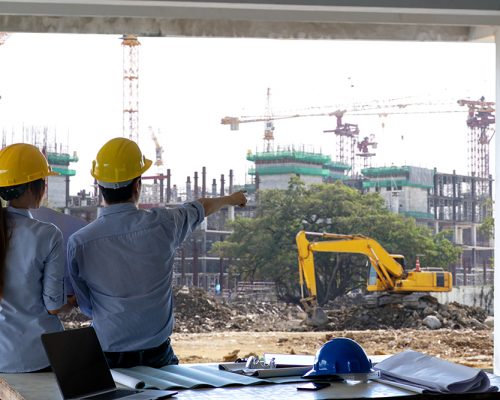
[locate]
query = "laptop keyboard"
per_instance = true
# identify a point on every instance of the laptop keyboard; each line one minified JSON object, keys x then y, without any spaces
{"x":116,"y":394}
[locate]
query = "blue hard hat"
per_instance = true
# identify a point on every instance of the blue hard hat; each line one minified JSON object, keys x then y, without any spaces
{"x":340,"y":356}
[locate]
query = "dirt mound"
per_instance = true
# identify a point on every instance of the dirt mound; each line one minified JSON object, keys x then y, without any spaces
{"x":427,"y":314}
{"x":197,"y":311}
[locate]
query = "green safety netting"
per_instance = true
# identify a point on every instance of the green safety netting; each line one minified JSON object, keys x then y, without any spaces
{"x":64,"y":171}
{"x":290,"y":155}
{"x":61,"y":158}
{"x":385,"y":171}
{"x":394,"y":183}
{"x":288,"y":169}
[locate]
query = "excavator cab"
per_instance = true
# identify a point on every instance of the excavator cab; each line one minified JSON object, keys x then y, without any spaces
{"x":373,"y":284}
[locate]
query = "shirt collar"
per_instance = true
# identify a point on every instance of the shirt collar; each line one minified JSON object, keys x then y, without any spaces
{"x":116,"y":208}
{"x":21,"y":211}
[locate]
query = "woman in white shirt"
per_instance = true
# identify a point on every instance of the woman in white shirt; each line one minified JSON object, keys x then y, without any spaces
{"x":32,"y":262}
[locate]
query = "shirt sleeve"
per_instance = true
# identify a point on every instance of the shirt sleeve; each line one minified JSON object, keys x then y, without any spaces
{"x":187,"y":217}
{"x":79,"y":285}
{"x":53,"y":273}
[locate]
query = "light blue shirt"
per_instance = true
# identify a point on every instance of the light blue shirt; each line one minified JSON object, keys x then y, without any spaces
{"x":121,"y":269}
{"x":34,"y":283}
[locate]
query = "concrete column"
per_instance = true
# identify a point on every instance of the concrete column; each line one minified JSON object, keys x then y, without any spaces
{"x":204,"y":182}
{"x":230,"y":213}
{"x":458,"y":235}
{"x":189,"y":193}
{"x":496,"y":214}
{"x":162,"y":189}
{"x":169,"y":188}
{"x":196,"y":188}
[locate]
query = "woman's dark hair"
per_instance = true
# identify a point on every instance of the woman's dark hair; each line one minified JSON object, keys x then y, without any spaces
{"x":120,"y":195}
{"x":11,"y":193}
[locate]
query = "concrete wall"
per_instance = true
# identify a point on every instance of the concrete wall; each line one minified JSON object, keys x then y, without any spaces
{"x":474,"y":296}
{"x":416,"y":199}
{"x":56,"y":191}
{"x":408,"y":199}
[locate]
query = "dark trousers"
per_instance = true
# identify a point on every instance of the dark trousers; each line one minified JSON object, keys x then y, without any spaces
{"x":155,"y":357}
{"x":46,"y":369}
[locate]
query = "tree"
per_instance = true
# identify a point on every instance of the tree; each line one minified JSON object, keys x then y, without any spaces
{"x":488,"y":225}
{"x":265,"y":248}
{"x":443,"y":253}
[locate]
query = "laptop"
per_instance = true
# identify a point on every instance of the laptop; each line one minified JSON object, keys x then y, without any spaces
{"x":81,"y":370}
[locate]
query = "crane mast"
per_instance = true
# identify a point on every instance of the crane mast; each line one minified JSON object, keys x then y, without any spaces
{"x":480,"y":120}
{"x":131,"y":45}
{"x":269,"y":127}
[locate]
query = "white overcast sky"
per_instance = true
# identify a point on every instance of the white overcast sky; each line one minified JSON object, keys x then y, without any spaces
{"x":72,"y":84}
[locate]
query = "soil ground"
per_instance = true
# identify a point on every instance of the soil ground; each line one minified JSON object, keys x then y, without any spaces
{"x":468,"y":347}
{"x":210,"y":330}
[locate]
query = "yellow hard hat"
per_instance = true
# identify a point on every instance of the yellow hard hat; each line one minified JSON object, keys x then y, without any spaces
{"x":119,"y":161}
{"x":22,"y":163}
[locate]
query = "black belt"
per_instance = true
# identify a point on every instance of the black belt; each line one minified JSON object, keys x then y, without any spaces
{"x":133,"y":356}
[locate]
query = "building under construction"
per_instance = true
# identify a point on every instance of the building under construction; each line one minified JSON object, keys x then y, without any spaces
{"x":273,"y":169}
{"x":58,"y":186}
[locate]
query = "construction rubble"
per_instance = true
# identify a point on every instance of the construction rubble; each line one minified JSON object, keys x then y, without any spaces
{"x":196,"y":311}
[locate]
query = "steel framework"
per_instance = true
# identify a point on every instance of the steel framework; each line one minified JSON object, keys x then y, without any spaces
{"x":131,"y":45}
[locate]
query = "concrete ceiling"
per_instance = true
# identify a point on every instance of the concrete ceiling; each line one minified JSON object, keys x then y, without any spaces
{"x":439,"y":20}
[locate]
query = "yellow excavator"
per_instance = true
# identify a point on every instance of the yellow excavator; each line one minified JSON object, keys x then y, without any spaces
{"x":387,"y":271}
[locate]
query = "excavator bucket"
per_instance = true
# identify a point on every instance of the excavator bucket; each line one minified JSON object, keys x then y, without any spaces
{"x":316,"y":317}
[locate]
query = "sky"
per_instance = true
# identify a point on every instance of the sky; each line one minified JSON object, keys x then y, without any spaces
{"x":72,"y":84}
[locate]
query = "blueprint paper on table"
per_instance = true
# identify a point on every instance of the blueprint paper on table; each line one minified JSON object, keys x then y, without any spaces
{"x":433,"y":375}
{"x":188,"y":377}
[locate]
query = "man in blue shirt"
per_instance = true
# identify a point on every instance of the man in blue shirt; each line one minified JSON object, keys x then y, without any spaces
{"x":121,"y":263}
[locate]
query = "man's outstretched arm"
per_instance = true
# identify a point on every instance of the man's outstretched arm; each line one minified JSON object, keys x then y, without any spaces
{"x":214,"y":204}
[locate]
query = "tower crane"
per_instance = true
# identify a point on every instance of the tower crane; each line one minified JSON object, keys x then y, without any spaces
{"x":347,"y":133}
{"x":381,"y":108}
{"x":480,"y":120}
{"x":158,"y":149}
{"x":364,"y":151}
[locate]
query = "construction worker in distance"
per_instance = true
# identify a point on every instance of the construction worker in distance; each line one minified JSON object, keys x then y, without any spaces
{"x":32,"y":262}
{"x":121,"y":264}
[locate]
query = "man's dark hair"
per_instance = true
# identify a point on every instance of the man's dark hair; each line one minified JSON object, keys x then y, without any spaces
{"x":120,"y":195}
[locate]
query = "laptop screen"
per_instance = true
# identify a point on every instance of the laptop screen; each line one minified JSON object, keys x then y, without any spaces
{"x":78,"y":362}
